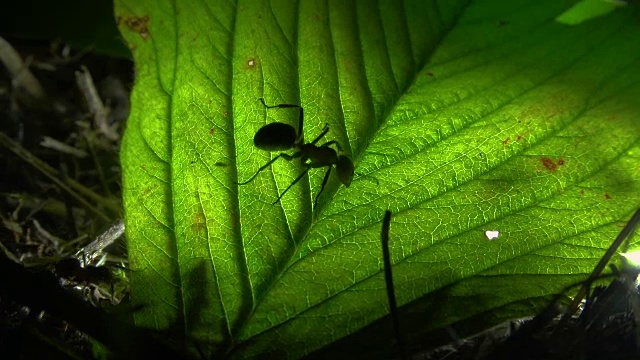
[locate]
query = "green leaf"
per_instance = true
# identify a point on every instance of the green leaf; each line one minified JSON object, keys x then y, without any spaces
{"x":588,"y":9}
{"x":506,"y":121}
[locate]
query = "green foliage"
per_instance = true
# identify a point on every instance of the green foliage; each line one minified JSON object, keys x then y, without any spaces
{"x":588,"y":9}
{"x":460,"y":118}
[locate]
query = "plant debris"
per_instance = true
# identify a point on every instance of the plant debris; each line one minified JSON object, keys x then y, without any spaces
{"x":62,"y":119}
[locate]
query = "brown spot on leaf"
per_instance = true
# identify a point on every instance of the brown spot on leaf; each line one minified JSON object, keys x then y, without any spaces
{"x":148,"y":190}
{"x":548,"y":110}
{"x":549,"y":164}
{"x":139,"y":25}
{"x":198,"y":223}
{"x":607,"y":196}
{"x":212,"y":131}
{"x":251,"y":63}
{"x":506,"y":141}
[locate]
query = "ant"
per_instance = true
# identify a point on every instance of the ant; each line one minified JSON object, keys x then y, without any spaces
{"x":278,"y":136}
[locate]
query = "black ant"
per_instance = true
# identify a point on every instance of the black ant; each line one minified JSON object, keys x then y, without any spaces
{"x":278,"y":136}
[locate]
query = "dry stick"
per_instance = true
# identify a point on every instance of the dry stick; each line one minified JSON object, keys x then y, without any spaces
{"x":41,"y":290}
{"x":391,"y":294}
{"x":21,"y":77}
{"x":51,"y":143}
{"x":96,"y":107}
{"x":94,"y":156}
{"x":113,"y":233}
{"x":635,"y":219}
{"x":68,"y":185}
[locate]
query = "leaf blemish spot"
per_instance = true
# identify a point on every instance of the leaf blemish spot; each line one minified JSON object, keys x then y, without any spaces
{"x":198,"y":223}
{"x":549,"y":164}
{"x":139,"y":25}
{"x":251,"y":63}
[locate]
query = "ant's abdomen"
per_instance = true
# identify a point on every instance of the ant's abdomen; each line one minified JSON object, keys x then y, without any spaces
{"x":275,"y":136}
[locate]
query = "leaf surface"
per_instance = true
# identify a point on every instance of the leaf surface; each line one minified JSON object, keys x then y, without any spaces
{"x":461,"y":118}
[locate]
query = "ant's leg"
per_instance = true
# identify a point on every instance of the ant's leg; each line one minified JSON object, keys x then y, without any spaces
{"x":282,"y":155}
{"x":322,"y":134}
{"x":293,"y":183}
{"x":324,"y":182}
{"x":259,"y":170}
{"x":291,"y":157}
{"x":300,"y":116}
{"x":279,"y":105}
{"x":332,"y":142}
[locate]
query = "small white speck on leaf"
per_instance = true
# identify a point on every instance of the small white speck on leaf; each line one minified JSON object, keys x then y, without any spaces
{"x":492,"y":234}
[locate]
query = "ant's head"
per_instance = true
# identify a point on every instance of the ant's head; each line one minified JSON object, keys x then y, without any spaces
{"x":275,"y":136}
{"x":345,"y":169}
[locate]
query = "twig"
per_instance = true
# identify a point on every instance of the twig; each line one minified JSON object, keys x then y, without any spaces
{"x":96,"y":107}
{"x":388,"y":276}
{"x":47,"y":235}
{"x":54,"y":144}
{"x":68,"y":185}
{"x":626,"y":231}
{"x":113,"y":233}
{"x":21,"y":77}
